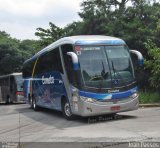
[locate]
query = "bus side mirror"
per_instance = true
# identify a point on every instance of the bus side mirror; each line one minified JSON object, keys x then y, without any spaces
{"x":139,"y":55}
{"x":74,"y":60}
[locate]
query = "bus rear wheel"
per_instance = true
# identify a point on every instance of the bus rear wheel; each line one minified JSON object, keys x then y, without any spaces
{"x":67,"y":110}
{"x":8,"y":100}
{"x":30,"y":99}
{"x":34,"y":104}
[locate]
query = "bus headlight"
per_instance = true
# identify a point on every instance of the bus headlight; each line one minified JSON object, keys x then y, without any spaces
{"x":75,"y":95}
{"x":135,"y":95}
{"x":90,"y":100}
{"x":75,"y":98}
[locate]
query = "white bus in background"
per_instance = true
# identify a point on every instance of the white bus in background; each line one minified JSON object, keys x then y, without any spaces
{"x":11,"y":88}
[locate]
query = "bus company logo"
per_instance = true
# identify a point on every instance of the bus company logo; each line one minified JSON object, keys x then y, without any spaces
{"x":49,"y":80}
{"x":116,"y":82}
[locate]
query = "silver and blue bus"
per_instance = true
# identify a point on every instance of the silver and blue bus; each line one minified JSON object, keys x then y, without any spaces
{"x":82,"y":75}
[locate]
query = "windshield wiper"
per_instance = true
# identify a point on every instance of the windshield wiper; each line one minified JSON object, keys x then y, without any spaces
{"x":113,"y":69}
{"x":116,"y":73}
{"x":104,"y":74}
{"x":96,"y":77}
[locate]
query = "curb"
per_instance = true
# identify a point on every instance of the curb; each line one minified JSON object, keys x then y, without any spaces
{"x":150,"y":105}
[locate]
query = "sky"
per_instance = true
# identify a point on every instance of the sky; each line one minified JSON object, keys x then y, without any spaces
{"x":20,"y":18}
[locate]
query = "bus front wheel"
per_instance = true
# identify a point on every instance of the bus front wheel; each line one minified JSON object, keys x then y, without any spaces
{"x":67,"y":110}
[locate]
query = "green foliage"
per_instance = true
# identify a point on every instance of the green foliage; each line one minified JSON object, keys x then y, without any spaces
{"x":149,"y":97}
{"x":10,"y":59}
{"x":135,"y":24}
{"x":153,"y":63}
{"x":47,"y":36}
{"x":74,"y":28}
{"x":14,"y":52}
{"x":29,"y":47}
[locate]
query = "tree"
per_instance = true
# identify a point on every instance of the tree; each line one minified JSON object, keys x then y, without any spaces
{"x":95,"y":15}
{"x":135,"y":23}
{"x":74,"y":28}
{"x":29,"y":47}
{"x":47,"y":36}
{"x":10,"y":56}
{"x":153,"y":64}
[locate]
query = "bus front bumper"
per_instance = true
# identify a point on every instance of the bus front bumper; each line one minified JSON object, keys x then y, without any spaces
{"x":20,"y":99}
{"x":84,"y":108}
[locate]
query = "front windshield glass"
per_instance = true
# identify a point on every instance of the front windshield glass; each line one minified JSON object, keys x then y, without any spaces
{"x":19,"y":82}
{"x":105,"y":66}
{"x":94,"y":67}
{"x":120,"y":63}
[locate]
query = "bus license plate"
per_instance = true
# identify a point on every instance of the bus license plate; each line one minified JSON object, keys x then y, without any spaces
{"x":115,"y":108}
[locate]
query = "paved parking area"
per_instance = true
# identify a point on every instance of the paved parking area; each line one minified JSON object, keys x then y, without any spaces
{"x":20,"y":123}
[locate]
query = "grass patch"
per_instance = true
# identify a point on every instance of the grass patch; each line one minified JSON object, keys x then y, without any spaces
{"x":149,"y":97}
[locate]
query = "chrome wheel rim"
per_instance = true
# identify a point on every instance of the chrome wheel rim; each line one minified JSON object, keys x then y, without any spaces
{"x":9,"y":100}
{"x":67,"y":109}
{"x":34,"y":104}
{"x":31,"y":103}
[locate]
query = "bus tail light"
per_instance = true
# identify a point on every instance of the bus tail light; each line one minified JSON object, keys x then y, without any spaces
{"x":19,"y":93}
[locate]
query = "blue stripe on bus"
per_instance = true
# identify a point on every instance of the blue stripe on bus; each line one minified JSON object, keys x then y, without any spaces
{"x":97,"y":42}
{"x":140,"y":62}
{"x":75,"y":66}
{"x":101,"y":96}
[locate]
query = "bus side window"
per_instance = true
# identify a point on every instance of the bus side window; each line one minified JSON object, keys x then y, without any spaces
{"x":68,"y":61}
{"x":39,"y":66}
{"x":11,"y":83}
{"x":27,"y":69}
{"x":56,"y":60}
{"x":49,"y":62}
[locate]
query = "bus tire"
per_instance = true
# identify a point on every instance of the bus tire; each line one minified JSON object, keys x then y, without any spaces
{"x":7,"y":99}
{"x":30,"y":99}
{"x":66,"y":110}
{"x":35,"y":107}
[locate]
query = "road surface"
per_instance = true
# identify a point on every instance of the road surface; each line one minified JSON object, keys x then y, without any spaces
{"x":19,"y":123}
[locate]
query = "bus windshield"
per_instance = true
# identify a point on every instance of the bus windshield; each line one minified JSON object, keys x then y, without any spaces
{"x":19,"y":82}
{"x":105,"y":66}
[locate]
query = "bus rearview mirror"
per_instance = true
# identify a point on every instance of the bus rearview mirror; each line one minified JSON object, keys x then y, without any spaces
{"x":74,"y":60}
{"x":139,"y":55}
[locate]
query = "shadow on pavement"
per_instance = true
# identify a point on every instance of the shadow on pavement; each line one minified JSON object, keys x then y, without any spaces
{"x":56,"y":119}
{"x":4,"y":104}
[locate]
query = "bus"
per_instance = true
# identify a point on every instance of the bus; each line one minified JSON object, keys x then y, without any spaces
{"x":11,"y":88}
{"x":84,"y":75}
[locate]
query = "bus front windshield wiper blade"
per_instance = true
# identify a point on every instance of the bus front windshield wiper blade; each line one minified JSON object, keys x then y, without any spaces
{"x":104,"y":74}
{"x":116,"y":73}
{"x":113,"y":69}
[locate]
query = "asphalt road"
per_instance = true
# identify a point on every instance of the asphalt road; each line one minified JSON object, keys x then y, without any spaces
{"x":19,"y":123}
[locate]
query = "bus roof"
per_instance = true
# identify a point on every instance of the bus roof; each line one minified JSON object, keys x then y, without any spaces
{"x":12,"y":74}
{"x":82,"y":40}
